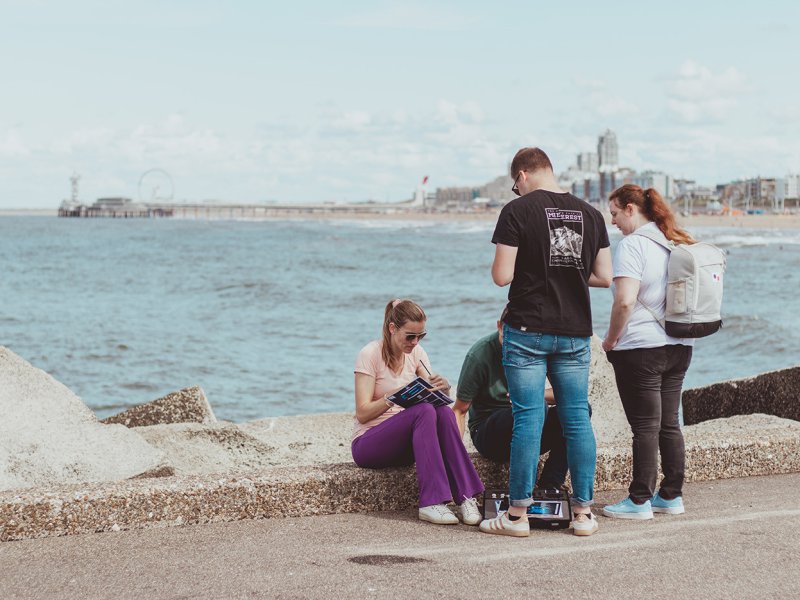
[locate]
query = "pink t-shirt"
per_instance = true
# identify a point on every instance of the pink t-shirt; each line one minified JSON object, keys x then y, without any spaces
{"x":370,"y":362}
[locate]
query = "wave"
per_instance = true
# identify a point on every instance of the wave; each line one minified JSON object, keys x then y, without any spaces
{"x":139,"y":385}
{"x":738,"y":237}
{"x":743,"y":241}
{"x":449,"y":227}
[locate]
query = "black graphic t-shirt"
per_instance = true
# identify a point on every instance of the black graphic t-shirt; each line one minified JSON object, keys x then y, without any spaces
{"x":558,"y":237}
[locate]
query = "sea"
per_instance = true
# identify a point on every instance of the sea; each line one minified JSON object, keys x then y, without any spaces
{"x":268,"y":316}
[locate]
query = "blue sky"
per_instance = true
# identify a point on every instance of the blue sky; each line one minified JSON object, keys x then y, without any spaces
{"x":349,"y":101}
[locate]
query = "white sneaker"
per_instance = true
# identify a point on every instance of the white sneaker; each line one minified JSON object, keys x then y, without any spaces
{"x":468,"y":512}
{"x":439,"y":514}
{"x":502,"y":525}
{"x":584,"y":524}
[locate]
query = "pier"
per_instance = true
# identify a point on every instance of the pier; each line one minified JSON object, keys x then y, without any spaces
{"x":124,"y":208}
{"x":115,"y":208}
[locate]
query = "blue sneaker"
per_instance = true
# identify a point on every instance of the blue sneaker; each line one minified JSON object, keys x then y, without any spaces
{"x":628,"y":509}
{"x":671,"y":507}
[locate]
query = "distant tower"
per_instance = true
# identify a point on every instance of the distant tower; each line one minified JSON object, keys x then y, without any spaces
{"x":608,"y":152}
{"x":419,"y":195}
{"x":74,"y":181}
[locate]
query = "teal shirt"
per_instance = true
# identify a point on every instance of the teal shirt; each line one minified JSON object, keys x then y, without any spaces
{"x":482,"y":382}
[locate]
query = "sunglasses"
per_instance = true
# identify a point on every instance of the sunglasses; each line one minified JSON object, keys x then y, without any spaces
{"x":514,"y":187}
{"x":410,"y":337}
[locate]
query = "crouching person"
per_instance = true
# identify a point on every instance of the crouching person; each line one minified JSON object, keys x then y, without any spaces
{"x":483,"y":392}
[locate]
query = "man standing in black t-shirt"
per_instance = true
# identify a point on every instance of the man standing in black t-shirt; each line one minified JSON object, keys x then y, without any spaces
{"x":551,"y":247}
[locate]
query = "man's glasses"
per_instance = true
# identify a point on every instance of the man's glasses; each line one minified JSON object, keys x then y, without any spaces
{"x":514,"y":188}
{"x":410,"y":337}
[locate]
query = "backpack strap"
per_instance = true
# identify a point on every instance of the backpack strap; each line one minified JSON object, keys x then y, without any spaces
{"x":669,"y":245}
{"x":655,"y":316}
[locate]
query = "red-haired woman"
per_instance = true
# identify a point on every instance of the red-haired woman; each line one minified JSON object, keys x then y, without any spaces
{"x":385,"y":435}
{"x":649,"y":365}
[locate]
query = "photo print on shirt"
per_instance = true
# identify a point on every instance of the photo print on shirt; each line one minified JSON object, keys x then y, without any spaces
{"x":566,"y":237}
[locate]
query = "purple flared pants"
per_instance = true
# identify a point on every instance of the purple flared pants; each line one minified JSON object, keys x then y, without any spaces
{"x":428,"y":436}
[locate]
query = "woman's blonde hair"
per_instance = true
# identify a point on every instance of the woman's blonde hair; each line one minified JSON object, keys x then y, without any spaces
{"x":398,"y":312}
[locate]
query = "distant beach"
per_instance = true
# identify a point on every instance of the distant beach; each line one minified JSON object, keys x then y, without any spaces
{"x":765,"y":221}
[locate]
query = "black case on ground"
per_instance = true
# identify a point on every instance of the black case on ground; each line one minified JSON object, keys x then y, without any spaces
{"x":551,"y":508}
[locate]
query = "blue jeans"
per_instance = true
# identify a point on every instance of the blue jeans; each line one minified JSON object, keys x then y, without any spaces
{"x":529,"y":357}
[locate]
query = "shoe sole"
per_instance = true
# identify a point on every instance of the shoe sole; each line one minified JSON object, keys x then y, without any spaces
{"x":678,"y":510}
{"x":472,"y":524}
{"x":585,"y":532}
{"x":435,"y":522}
{"x":642,"y":516}
{"x":511,"y":532}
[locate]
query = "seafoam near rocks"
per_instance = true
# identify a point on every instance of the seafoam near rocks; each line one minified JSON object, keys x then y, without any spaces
{"x":48,"y":436}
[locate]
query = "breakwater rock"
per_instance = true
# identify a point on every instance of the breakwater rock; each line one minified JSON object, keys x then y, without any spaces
{"x":49,"y":437}
{"x":773,"y":393}
{"x":188,"y":405}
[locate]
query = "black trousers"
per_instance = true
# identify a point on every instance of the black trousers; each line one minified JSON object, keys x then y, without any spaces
{"x":492,"y":439}
{"x":649,"y":381}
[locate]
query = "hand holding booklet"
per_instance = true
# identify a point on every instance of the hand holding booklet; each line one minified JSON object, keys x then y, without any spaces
{"x":417,"y":392}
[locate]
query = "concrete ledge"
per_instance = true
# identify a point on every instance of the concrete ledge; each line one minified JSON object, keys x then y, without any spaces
{"x":746,"y":446}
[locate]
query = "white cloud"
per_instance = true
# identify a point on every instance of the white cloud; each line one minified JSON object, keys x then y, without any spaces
{"x":350,"y":122}
{"x":599,"y":102}
{"x":696,"y":94}
{"x":12,"y":145}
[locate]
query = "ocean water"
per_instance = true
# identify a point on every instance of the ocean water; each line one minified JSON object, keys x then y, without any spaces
{"x":268,"y":316}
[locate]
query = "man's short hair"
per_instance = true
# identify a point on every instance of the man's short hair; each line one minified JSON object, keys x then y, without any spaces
{"x":529,"y":159}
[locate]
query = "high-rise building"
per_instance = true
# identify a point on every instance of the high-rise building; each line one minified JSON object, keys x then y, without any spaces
{"x":607,"y":151}
{"x":588,"y":162}
{"x":661,"y":182}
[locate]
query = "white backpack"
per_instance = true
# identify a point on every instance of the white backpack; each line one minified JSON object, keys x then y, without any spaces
{"x":694,"y":288}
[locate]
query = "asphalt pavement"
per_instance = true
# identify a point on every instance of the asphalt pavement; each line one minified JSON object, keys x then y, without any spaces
{"x":738,"y":539}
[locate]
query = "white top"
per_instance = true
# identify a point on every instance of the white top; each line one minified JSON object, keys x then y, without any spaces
{"x":646,"y":261}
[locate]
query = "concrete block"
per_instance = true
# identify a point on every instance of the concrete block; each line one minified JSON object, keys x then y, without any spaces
{"x":188,"y":405}
{"x":773,"y":393}
{"x":49,"y":437}
{"x":608,"y":416}
{"x":195,"y":449}
{"x":305,"y":439}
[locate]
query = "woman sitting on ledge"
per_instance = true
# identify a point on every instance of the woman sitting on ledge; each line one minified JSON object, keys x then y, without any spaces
{"x":386,"y":435}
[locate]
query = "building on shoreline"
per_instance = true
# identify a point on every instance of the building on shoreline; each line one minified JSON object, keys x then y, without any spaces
{"x":115,"y":208}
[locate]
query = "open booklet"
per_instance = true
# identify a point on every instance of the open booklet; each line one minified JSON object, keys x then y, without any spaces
{"x":417,"y":392}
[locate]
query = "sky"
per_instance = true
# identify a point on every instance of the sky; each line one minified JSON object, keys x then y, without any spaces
{"x":312,"y":101}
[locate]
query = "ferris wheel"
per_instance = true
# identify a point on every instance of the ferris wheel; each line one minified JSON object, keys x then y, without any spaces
{"x":156,"y":185}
